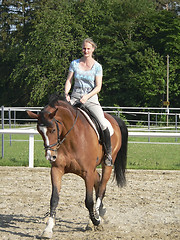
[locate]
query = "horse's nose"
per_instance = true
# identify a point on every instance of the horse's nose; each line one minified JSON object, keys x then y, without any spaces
{"x":51,"y":156}
{"x":54,"y":158}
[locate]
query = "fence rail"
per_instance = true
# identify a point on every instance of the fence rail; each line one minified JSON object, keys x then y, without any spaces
{"x":148,"y":118}
{"x":32,"y":132}
{"x":134,"y":115}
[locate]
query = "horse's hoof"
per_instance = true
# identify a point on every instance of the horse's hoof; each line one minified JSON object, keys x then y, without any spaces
{"x":94,"y":228}
{"x":98,"y":228}
{"x":89,"y":227}
{"x":47,"y":235}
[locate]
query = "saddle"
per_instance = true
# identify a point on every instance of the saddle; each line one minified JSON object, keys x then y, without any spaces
{"x":94,"y":121}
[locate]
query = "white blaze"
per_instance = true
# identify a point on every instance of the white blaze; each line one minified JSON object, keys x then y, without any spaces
{"x":44,"y":131}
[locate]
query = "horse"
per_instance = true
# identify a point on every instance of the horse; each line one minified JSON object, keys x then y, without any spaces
{"x":72,"y":146}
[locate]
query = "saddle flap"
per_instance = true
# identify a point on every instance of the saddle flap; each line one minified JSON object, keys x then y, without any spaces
{"x":94,"y":126}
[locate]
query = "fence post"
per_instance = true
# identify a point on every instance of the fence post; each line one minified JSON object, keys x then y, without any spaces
{"x":2,"y":122}
{"x":176,"y":125}
{"x":14,"y":118}
{"x":156,"y":120}
{"x":9,"y":125}
{"x":149,"y":123}
{"x":31,"y":150}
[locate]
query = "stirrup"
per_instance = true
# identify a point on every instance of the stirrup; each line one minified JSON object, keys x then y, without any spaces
{"x":108,"y":160}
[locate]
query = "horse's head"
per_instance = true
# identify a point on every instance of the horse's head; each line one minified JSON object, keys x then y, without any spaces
{"x":50,"y":129}
{"x":54,"y":123}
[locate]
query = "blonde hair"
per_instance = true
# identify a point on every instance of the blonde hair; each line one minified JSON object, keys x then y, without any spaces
{"x":89,"y":40}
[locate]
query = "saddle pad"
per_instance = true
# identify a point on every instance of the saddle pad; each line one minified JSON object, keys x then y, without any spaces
{"x":111,"y":130}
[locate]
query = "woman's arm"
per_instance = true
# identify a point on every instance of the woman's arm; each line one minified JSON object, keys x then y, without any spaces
{"x":68,"y":85}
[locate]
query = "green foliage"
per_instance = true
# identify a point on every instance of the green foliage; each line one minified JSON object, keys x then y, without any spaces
{"x":45,"y":60}
{"x":133,"y":38}
{"x":16,"y":24}
{"x":162,"y":31}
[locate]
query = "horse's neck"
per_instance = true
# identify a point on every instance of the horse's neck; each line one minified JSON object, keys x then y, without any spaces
{"x":67,"y":115}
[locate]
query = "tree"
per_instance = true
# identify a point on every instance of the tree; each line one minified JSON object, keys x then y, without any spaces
{"x":113,"y":23}
{"x":133,"y":39}
{"x":129,"y":69}
{"x":161,"y":30}
{"x":16,"y":23}
{"x":45,"y":58}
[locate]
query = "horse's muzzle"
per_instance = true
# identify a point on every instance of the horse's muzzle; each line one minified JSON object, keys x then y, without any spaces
{"x":51,"y":155}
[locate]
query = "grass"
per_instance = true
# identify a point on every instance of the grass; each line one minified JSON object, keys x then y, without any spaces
{"x":153,"y":156}
{"x":18,"y":153}
{"x":149,"y":155}
{"x":140,"y":155}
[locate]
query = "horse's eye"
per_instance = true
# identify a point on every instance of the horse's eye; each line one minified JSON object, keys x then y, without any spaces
{"x":53,"y":130}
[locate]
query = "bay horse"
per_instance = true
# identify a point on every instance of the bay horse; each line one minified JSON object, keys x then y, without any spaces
{"x":72,"y":146}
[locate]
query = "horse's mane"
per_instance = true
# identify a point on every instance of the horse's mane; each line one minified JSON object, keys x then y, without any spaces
{"x":54,"y":98}
{"x":53,"y":102}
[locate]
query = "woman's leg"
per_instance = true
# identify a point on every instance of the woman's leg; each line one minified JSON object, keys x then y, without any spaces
{"x":93,"y":105}
{"x":95,"y":108}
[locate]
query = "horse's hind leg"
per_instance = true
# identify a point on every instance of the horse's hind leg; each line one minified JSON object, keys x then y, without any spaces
{"x":90,"y":183}
{"x":99,"y":208}
{"x":100,"y":211}
{"x":56,"y":176}
{"x":106,"y":173}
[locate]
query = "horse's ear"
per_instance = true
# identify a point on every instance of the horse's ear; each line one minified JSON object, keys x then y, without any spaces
{"x":32,"y":115}
{"x":51,"y":115}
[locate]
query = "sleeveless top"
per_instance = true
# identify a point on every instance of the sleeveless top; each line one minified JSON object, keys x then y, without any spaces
{"x":85,"y":79}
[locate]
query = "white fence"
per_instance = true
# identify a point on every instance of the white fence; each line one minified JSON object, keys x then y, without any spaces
{"x":145,"y":116}
{"x":32,"y":132}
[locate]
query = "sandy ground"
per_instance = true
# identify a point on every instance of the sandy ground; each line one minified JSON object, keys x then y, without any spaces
{"x":147,"y":208}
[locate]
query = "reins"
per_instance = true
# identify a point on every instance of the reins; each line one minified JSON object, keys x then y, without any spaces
{"x":59,"y":141}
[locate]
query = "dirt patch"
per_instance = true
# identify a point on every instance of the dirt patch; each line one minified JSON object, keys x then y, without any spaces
{"x":147,"y":208}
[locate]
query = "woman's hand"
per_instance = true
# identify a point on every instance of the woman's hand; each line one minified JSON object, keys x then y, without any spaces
{"x":96,"y":90}
{"x":84,"y":99}
{"x":67,"y":97}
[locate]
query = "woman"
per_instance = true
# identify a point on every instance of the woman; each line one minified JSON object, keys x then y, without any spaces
{"x":88,"y":82}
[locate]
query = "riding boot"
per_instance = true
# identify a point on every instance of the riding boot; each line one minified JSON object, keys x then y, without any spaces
{"x":108,"y":149}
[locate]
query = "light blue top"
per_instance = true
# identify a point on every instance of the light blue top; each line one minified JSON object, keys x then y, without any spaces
{"x":85,"y":80}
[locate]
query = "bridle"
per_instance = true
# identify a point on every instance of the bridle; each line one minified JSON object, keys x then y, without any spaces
{"x":59,"y":140}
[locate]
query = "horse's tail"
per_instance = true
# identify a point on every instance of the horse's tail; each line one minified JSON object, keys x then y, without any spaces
{"x":121,"y":159}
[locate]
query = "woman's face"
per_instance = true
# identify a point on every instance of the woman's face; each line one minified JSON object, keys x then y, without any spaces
{"x":87,"y":49}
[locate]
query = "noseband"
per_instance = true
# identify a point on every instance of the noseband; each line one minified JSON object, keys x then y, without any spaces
{"x":59,"y":141}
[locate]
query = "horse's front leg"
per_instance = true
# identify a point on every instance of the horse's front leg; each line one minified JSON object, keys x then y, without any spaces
{"x":56,"y":176}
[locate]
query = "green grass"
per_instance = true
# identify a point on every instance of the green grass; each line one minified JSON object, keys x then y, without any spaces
{"x":140,"y":155}
{"x":18,"y":153}
{"x":153,"y":156}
